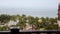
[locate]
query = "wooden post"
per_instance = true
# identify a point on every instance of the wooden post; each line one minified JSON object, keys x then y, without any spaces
{"x":58,"y":21}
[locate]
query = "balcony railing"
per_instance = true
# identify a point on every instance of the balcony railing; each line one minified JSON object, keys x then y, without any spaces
{"x":16,"y":31}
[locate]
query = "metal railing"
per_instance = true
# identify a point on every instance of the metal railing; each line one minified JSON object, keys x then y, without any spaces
{"x":16,"y":31}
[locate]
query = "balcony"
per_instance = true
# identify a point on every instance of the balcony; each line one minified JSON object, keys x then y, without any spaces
{"x":17,"y":31}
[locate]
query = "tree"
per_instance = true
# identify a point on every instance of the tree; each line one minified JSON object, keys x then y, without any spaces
{"x":4,"y":18}
{"x":22,"y":22}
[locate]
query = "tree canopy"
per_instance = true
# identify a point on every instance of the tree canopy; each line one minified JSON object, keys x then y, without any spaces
{"x":46,"y":23}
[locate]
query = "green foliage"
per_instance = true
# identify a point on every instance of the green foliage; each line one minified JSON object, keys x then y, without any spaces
{"x":47,"y":23}
{"x":2,"y":28}
{"x":4,"y":18}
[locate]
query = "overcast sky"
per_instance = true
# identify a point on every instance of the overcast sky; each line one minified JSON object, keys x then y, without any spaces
{"x":39,"y":8}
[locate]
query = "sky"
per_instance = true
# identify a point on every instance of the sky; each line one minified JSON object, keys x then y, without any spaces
{"x":38,"y":8}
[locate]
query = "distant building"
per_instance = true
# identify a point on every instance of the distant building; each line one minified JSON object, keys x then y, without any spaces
{"x":29,"y":27}
{"x":10,"y":23}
